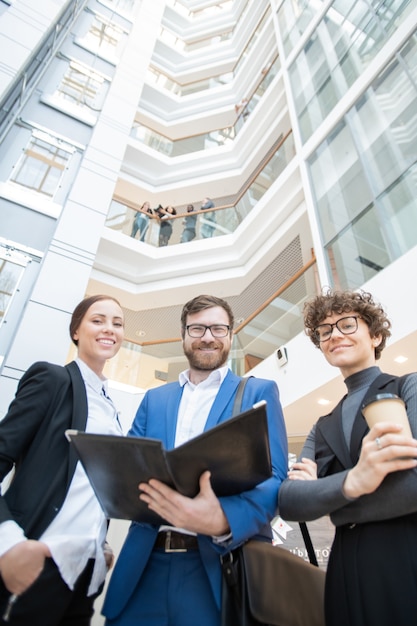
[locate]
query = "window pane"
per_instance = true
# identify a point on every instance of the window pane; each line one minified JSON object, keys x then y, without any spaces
{"x":341,"y":188}
{"x":10,"y":274}
{"x":83,"y":87}
{"x":103,"y":36}
{"x":41,"y":166}
{"x":380,"y":236}
{"x":345,"y":41}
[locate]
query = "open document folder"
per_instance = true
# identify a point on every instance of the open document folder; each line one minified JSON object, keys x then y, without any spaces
{"x":236,"y":452}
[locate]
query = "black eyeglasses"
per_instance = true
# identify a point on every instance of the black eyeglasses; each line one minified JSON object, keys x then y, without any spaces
{"x":199,"y":330}
{"x":346,"y":325}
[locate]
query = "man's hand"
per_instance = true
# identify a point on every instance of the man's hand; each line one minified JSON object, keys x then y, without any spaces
{"x":202,"y":514}
{"x":21,"y":565}
{"x":108,"y":555}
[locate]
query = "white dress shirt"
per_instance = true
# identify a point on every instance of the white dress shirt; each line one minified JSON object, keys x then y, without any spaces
{"x":194,"y":409}
{"x":78,"y":531}
{"x":196,"y":402}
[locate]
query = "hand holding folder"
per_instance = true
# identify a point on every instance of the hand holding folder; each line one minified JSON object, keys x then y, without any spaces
{"x":236,"y":452}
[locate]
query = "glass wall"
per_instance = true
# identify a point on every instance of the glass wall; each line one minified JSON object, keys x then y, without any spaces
{"x":345,"y":41}
{"x":294,"y":16}
{"x":364,"y":176}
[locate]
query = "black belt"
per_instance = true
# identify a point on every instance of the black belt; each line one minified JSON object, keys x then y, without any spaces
{"x":172,"y":541}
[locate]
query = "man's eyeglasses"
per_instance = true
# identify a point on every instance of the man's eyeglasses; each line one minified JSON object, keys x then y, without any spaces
{"x":346,"y":325}
{"x":199,"y":330}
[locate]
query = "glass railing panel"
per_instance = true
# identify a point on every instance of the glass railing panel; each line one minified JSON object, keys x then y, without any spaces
{"x":209,"y":41}
{"x":151,"y":138}
{"x":221,"y":221}
{"x":173,"y":39}
{"x":155,"y":77}
{"x":257,"y":33}
{"x":210,"y":223}
{"x":280,"y":321}
{"x":205,"y":141}
{"x":210,"y":83}
{"x":185,"y":145}
{"x":275,"y":325}
{"x":268,"y":175}
{"x":120,"y":217}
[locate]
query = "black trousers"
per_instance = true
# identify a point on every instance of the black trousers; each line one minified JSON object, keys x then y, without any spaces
{"x":50,"y":602}
{"x":372,"y":574}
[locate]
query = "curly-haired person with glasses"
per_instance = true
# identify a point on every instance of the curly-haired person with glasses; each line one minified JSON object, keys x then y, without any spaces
{"x":366,"y":480}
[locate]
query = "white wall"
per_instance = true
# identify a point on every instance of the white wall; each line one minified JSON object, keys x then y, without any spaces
{"x":307,"y":370}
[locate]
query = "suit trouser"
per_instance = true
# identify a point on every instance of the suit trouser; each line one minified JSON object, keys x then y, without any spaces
{"x":50,"y":602}
{"x":174,"y":590}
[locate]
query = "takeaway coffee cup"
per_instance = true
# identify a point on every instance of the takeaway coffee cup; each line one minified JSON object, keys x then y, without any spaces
{"x":386,"y":407}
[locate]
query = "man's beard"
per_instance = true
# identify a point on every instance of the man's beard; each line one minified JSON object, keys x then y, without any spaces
{"x":200,"y":360}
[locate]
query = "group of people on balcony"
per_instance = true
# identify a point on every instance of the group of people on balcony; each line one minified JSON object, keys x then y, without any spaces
{"x":189,"y":223}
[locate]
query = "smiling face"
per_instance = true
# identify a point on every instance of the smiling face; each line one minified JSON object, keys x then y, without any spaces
{"x":100,"y":334}
{"x":350,"y":353}
{"x":206,"y":353}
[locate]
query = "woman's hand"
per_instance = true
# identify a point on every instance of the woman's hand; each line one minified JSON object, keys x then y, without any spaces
{"x":21,"y":565}
{"x":306,"y":469}
{"x":383,"y":451}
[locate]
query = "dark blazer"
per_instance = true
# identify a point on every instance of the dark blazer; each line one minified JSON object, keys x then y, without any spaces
{"x":332,"y":452}
{"x":49,"y":399}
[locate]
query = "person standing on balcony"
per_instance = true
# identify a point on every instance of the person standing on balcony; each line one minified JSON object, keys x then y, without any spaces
{"x":141,"y":221}
{"x":171,"y":573}
{"x":165,"y":229}
{"x":206,"y":229}
{"x":189,"y":223}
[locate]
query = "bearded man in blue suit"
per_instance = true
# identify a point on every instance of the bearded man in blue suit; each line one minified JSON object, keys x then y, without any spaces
{"x":170,"y":574}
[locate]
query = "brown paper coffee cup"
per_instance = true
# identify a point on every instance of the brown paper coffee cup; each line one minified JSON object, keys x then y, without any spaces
{"x":387,"y":407}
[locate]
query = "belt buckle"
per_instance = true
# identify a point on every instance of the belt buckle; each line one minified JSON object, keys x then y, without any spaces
{"x":168,"y":544}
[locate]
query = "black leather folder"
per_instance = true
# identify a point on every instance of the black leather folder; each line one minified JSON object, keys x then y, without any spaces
{"x":236,"y":452}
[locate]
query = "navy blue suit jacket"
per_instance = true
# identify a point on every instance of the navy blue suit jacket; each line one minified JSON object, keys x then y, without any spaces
{"x":249,"y":513}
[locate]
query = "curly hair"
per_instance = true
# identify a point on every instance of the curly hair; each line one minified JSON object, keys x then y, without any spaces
{"x":200,"y":303}
{"x":318,"y":308}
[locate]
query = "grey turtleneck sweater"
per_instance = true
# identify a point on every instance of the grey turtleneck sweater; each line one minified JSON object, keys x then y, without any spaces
{"x":396,"y":496}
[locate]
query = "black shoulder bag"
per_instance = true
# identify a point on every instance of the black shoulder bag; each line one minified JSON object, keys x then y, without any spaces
{"x":266,"y":585}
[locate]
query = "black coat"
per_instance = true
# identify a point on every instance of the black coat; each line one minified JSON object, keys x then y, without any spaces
{"x":49,"y":399}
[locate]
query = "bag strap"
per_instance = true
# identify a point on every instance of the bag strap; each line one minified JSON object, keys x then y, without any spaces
{"x":237,"y":404}
{"x":308,"y":544}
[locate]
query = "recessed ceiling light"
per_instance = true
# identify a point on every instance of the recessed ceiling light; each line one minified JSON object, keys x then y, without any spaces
{"x":323,"y":401}
{"x":140,"y":333}
{"x":401,"y":359}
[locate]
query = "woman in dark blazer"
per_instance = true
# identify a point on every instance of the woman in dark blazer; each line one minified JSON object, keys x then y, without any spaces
{"x":53,"y":558}
{"x":365,"y":479}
